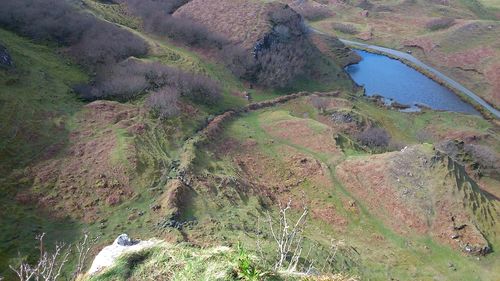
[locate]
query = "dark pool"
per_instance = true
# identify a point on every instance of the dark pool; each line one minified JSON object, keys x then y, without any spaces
{"x":396,"y":81}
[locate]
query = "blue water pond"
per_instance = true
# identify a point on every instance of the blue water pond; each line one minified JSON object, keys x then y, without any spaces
{"x":396,"y":81}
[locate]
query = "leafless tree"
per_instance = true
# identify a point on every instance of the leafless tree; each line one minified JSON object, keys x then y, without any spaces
{"x":288,"y":237}
{"x":374,"y":137}
{"x":82,"y":249}
{"x":49,"y":266}
{"x":485,"y":159}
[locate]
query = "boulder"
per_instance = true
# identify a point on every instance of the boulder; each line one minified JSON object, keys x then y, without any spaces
{"x":124,"y":240}
{"x":123,"y":244}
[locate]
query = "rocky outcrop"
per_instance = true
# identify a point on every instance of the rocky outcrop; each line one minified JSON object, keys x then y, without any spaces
{"x":5,"y":58}
{"x":122,"y":245}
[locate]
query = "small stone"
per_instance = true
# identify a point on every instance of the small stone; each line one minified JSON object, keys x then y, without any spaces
{"x":124,"y":240}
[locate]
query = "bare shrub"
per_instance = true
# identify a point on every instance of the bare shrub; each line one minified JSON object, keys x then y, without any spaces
{"x":49,"y":266}
{"x":440,"y":23}
{"x":106,"y":43}
{"x":282,"y":62}
{"x":55,"y":20}
{"x":288,"y":237}
{"x":293,"y":249}
{"x":345,"y":28}
{"x":374,"y":137}
{"x":164,"y":103}
{"x":130,"y":78}
{"x":485,"y":158}
{"x":313,"y":13}
{"x":90,"y":40}
{"x":274,"y":63}
{"x":239,"y":61}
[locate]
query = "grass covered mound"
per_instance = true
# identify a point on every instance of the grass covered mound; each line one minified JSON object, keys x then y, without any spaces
{"x":184,"y":262}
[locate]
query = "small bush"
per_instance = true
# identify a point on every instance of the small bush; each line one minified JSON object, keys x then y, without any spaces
{"x":313,"y":13}
{"x":441,"y":23}
{"x":374,"y":138}
{"x":246,"y":269}
{"x":164,"y":103}
{"x":345,"y":28}
{"x":484,"y":157}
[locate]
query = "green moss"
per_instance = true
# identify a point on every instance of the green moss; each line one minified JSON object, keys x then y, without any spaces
{"x":114,"y":12}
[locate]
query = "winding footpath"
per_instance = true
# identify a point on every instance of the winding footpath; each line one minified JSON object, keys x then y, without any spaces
{"x":450,"y":82}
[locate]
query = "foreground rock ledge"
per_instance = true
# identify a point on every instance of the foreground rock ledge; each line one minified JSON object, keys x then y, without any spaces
{"x":122,"y":244}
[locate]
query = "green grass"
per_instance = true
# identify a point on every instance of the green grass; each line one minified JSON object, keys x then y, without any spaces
{"x":36,"y":102}
{"x":114,"y":12}
{"x":119,"y":154}
{"x":395,"y":256}
{"x":185,"y":262}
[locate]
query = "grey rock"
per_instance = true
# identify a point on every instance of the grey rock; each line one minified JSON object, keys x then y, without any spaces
{"x":124,"y":240}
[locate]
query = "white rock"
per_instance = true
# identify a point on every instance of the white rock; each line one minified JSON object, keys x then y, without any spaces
{"x":109,"y":254}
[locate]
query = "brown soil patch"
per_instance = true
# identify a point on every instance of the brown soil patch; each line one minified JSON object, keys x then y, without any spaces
{"x":83,"y":178}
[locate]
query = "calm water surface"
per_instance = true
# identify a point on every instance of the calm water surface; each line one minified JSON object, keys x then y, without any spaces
{"x":394,"y":80}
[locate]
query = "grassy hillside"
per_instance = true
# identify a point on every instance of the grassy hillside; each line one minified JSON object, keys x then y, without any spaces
{"x":200,"y":179}
{"x":185,"y":262}
{"x":36,"y":104}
